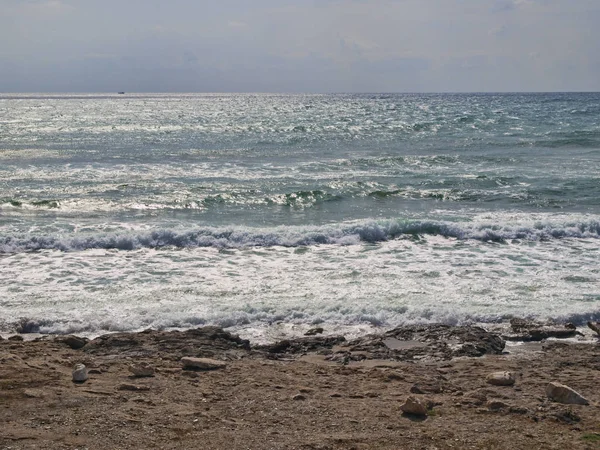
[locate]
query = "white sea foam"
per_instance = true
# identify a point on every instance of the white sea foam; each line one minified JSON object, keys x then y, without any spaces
{"x":249,"y":290}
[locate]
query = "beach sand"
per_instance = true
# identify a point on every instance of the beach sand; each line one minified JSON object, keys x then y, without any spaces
{"x":310,"y":393}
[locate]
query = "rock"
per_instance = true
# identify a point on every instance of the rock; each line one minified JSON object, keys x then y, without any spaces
{"x":540,"y":334}
{"x":434,"y":387}
{"x":74,"y":342}
{"x":501,"y":378}
{"x":141,"y":370}
{"x":314,"y":331}
{"x":190,"y":363}
{"x":25,"y":326}
{"x":564,"y":394}
{"x":414,"y":407}
{"x":80,"y":373}
{"x":132,"y":387}
{"x":594,"y":326}
{"x":496,"y":405}
{"x":16,"y":338}
{"x":299,"y":397}
{"x":567,"y":416}
{"x":518,"y":410}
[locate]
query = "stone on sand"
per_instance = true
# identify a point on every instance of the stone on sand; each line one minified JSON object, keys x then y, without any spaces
{"x":141,"y":370}
{"x":190,"y":363}
{"x":501,"y":378}
{"x":414,"y":407}
{"x":80,"y":373}
{"x":564,"y":394}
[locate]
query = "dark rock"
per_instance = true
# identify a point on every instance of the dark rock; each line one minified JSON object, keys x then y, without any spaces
{"x":314,"y":331}
{"x":75,"y":342}
{"x":437,"y":342}
{"x":198,"y":342}
{"x":299,"y":397}
{"x":594,"y":326}
{"x":542,"y":333}
{"x":302,"y":345}
{"x":25,"y":326}
{"x":16,"y":338}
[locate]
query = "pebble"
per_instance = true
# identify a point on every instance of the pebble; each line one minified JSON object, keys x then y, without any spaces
{"x":564,"y":394}
{"x":501,"y":378}
{"x":202,"y":363}
{"x":414,"y":406}
{"x":80,"y":373}
{"x":141,"y":370}
{"x":132,"y":387}
{"x":496,"y":405}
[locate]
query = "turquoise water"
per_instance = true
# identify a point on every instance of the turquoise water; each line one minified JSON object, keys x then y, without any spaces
{"x":130,"y":211}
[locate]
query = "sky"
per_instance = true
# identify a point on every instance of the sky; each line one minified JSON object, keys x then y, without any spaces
{"x":299,"y":45}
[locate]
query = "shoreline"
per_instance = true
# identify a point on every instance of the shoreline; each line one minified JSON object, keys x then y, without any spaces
{"x":272,"y":333}
{"x":315,"y":392}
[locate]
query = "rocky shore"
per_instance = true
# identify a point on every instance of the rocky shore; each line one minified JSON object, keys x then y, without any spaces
{"x":422,"y":387}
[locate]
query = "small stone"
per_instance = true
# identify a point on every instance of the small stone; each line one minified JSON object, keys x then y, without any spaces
{"x":501,"y":378}
{"x":132,"y":387}
{"x":141,"y":370}
{"x":564,"y":394}
{"x":299,"y":397}
{"x":414,"y":407}
{"x":518,"y":410}
{"x":80,"y":373}
{"x":16,"y":338}
{"x":496,"y":405}
{"x":427,"y":388}
{"x":202,"y":363}
{"x":75,"y":342}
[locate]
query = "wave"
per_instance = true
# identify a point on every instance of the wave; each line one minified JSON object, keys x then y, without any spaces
{"x":16,"y":203}
{"x":340,"y":234}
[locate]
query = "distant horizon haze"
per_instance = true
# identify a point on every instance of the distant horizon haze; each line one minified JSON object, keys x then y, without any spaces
{"x":300,"y":46}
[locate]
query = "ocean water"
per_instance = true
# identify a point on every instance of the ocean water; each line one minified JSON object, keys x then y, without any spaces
{"x":279,"y":212}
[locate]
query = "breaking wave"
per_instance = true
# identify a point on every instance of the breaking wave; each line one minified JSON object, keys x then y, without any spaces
{"x":340,"y":234}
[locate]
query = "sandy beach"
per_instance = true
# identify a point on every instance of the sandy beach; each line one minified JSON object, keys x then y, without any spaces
{"x":315,"y":392}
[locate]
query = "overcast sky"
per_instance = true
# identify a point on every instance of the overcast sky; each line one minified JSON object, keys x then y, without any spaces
{"x":299,"y":45}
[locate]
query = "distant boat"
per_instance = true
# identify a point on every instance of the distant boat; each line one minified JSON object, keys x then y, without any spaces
{"x":120,"y":93}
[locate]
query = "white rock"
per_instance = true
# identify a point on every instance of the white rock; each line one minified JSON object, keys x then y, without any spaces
{"x":80,"y":373}
{"x":142,"y":370}
{"x":202,"y":363}
{"x":564,"y":394}
{"x":501,"y":378}
{"x":414,"y":406}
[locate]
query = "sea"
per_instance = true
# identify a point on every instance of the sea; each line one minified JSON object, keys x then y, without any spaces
{"x":271,"y":214}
